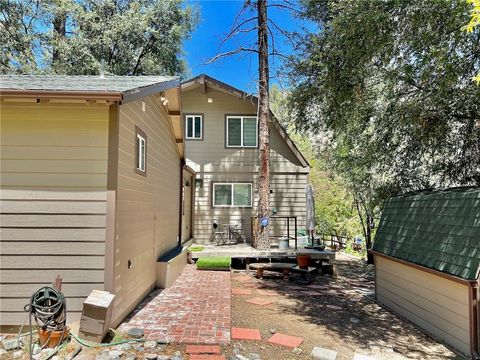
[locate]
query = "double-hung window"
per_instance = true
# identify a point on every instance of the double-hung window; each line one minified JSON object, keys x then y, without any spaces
{"x":140,"y":152}
{"x":242,"y":131}
{"x":193,"y":127}
{"x":232,"y":194}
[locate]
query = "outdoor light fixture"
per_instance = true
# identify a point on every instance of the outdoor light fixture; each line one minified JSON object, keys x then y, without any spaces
{"x":164,"y":100}
{"x":198,"y":183}
{"x":210,"y":100}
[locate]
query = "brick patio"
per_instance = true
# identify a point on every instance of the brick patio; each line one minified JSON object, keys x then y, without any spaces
{"x":195,"y":310}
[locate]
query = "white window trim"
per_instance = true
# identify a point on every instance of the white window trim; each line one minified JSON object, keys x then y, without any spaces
{"x":232,"y":197}
{"x":141,"y":153}
{"x":241,"y":131}
{"x":193,"y":116}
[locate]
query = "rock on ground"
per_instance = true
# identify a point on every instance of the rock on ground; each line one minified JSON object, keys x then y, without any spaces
{"x":319,"y":353}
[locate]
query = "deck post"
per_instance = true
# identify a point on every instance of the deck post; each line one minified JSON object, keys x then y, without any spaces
{"x":296,"y":232}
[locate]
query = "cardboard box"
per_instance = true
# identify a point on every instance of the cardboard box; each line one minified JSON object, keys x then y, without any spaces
{"x":96,"y":315}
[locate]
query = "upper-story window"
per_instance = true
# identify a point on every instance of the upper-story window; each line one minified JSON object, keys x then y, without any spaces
{"x":140,"y":152}
{"x":242,"y":131}
{"x":194,"y":127}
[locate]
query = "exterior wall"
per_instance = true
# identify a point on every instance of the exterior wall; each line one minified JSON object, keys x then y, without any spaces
{"x":214,"y":162}
{"x":438,"y":305}
{"x":53,"y":202}
{"x":147,"y":207}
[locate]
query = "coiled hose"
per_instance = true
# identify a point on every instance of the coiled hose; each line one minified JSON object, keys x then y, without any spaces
{"x":49,"y":309}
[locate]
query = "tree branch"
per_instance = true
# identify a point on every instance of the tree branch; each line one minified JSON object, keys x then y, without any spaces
{"x":229,"y":53}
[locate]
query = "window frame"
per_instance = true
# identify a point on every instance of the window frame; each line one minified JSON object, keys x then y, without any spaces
{"x":229,"y":116}
{"x":232,"y":184}
{"x":192,"y":115}
{"x":140,"y":135}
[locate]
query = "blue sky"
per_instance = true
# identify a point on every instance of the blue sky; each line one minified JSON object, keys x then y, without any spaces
{"x":216,"y":21}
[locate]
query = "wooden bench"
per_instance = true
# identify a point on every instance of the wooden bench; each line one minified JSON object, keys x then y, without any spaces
{"x":283,"y":267}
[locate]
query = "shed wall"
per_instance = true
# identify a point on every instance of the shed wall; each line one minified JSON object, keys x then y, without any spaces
{"x":53,"y":202}
{"x":436,"y":304}
{"x":147,"y":207}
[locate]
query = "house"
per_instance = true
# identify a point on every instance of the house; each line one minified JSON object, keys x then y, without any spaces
{"x":221,"y":141}
{"x":427,"y":263}
{"x":92,"y":170}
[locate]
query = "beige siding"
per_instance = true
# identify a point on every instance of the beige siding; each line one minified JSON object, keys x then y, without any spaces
{"x":438,"y":305}
{"x":214,"y":162}
{"x":211,"y":155}
{"x":288,"y":197}
{"x":53,"y":202}
{"x":147,"y":207}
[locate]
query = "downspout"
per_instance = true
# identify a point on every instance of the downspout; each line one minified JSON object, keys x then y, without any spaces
{"x":474,"y":313}
{"x":180,"y":213}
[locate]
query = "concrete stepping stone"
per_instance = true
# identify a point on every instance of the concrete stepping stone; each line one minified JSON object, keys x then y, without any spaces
{"x":267,"y":292}
{"x":259,"y":301}
{"x":311,"y":293}
{"x":334,"y":307}
{"x":318,"y":287}
{"x":319,"y":353}
{"x":362,"y":357}
{"x":239,"y":291}
{"x":203,"y":349}
{"x":286,"y":340}
{"x":246,"y":334}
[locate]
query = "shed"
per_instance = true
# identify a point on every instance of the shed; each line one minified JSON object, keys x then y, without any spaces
{"x":91,"y":179}
{"x":427,"y":263}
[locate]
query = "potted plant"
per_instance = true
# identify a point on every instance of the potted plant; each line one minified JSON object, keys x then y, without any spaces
{"x":303,"y":261}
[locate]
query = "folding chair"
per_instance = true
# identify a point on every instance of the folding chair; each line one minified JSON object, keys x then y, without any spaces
{"x":218,"y":233}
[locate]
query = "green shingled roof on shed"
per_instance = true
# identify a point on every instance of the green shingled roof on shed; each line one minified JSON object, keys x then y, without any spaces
{"x":437,"y":229}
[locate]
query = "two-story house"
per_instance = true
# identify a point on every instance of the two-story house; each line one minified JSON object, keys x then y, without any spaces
{"x":221,"y":134}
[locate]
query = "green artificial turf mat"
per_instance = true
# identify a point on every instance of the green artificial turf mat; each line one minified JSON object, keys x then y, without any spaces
{"x":214,"y":263}
{"x":196,"y":248}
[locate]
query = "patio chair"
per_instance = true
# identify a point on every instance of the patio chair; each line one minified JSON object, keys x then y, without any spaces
{"x":219,"y":233}
{"x":236,"y":232}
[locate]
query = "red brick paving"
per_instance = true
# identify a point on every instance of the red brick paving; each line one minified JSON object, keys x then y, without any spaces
{"x":236,"y":291}
{"x":286,"y":340}
{"x":203,"y":349}
{"x":246,"y":334}
{"x":206,"y":357}
{"x":259,"y":301}
{"x":195,"y":310}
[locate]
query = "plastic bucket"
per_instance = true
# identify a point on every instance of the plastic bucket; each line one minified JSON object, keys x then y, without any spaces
{"x":52,"y":338}
{"x":283,"y":244}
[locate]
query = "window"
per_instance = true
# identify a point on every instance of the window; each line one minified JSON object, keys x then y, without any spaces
{"x":242,"y":131}
{"x":140,"y":152}
{"x":194,"y":127}
{"x":232,"y":194}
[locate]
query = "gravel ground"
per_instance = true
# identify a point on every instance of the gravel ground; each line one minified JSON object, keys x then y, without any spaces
{"x":343,"y":318}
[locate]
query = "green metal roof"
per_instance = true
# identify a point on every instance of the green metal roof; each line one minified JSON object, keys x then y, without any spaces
{"x":437,"y":229}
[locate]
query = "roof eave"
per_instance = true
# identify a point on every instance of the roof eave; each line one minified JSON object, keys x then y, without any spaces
{"x":144,"y":91}
{"x":57,"y":94}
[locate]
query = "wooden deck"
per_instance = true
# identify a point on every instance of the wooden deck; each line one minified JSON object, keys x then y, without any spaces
{"x":245,"y":251}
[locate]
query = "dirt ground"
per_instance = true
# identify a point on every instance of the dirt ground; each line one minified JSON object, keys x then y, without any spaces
{"x":357,"y":325}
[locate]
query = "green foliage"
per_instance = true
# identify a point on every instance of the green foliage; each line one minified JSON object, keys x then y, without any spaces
{"x":214,"y":263}
{"x":334,"y":211}
{"x":391,"y":82}
{"x":474,"y":22}
{"x":132,"y":37}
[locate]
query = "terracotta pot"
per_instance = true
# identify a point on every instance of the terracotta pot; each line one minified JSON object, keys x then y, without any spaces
{"x":303,"y":261}
{"x":52,"y":338}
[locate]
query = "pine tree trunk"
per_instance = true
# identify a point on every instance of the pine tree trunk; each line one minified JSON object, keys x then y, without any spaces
{"x":59,"y":33}
{"x":262,"y":240}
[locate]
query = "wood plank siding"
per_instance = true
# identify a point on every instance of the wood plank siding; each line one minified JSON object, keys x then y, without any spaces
{"x":436,"y":304}
{"x":214,"y":162}
{"x":147,"y":207}
{"x":53,"y":202}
